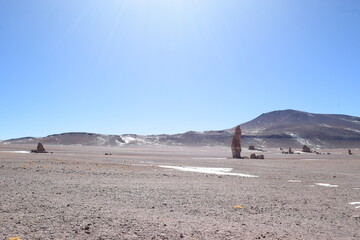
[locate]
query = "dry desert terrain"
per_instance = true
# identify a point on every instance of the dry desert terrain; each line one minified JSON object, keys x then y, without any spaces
{"x":159,"y":192}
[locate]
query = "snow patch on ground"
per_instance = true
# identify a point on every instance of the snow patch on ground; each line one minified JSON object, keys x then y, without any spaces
{"x":258,"y":130}
{"x":355,"y":203}
{"x":217,"y":171}
{"x":303,"y":141}
{"x":352,"y":130}
{"x":352,"y":121}
{"x":16,"y":151}
{"x":294,"y":181}
{"x":101,"y":140}
{"x":119,"y":143}
{"x":299,"y":139}
{"x":326,"y":185}
{"x":130,"y":139}
{"x":291,"y":134}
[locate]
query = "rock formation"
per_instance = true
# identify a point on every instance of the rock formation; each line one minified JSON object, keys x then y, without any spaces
{"x":236,"y":143}
{"x":251,"y":147}
{"x":349,"y":151}
{"x":306,"y":149}
{"x":40,"y":149}
{"x":290,"y":151}
{"x":253,"y":156}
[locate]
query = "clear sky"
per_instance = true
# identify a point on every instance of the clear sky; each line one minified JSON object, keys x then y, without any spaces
{"x":170,"y":66}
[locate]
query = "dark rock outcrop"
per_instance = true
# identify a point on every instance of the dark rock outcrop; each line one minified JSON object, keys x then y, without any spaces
{"x":254,"y":156}
{"x":40,"y":149}
{"x":306,"y":149}
{"x":291,"y":151}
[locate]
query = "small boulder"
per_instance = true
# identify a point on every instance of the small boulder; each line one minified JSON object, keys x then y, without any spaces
{"x":290,"y":151}
{"x":253,"y":156}
{"x":306,"y":149}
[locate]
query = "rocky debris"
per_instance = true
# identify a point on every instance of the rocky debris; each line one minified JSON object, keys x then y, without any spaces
{"x":40,"y":149}
{"x":252,"y":147}
{"x":349,"y":151}
{"x":254,"y":156}
{"x":306,"y":149}
{"x":289,"y":152}
{"x":107,"y":154}
{"x":236,"y":143}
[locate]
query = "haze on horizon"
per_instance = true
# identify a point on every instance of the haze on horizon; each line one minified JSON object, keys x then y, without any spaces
{"x":157,"y":66}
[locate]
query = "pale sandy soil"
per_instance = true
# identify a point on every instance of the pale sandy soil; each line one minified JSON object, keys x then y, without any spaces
{"x":79,"y":193}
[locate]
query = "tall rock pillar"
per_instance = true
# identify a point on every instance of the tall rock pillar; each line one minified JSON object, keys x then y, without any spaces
{"x":236,"y":143}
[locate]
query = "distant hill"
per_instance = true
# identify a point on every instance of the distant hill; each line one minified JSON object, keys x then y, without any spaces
{"x":286,"y":128}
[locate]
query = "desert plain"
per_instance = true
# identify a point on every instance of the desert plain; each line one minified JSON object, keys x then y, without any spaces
{"x":173,"y":192}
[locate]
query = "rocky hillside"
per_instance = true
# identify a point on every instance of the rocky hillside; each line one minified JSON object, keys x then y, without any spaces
{"x":298,"y":128}
{"x":287,"y":128}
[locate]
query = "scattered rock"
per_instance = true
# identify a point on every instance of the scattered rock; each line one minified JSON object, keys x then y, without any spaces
{"x":349,"y":151}
{"x":252,"y":147}
{"x":253,"y":156}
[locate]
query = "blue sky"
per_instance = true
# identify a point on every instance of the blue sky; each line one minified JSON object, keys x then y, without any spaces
{"x":161,"y":66}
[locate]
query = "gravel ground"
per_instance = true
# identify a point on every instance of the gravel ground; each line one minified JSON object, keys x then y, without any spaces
{"x":79,"y":193}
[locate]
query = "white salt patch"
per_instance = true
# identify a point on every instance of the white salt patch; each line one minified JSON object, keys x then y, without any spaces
{"x":294,"y":181}
{"x":326,"y":185}
{"x":16,"y":151}
{"x":218,"y":171}
{"x":208,"y":158}
{"x":356,"y":188}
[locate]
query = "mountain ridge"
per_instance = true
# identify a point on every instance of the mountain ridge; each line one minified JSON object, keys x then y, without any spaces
{"x":281,"y":128}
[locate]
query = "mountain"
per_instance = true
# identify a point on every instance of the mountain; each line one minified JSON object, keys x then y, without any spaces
{"x":286,"y":128}
{"x":299,"y":128}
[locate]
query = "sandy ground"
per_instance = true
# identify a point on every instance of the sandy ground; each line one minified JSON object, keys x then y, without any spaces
{"x":79,"y":193}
